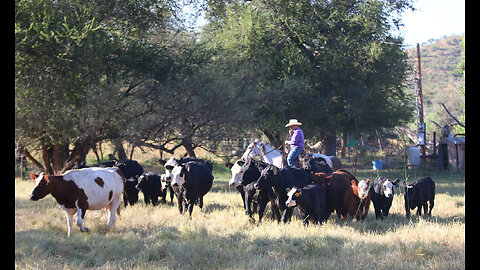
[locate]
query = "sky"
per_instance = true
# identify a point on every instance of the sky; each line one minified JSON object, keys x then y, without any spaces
{"x":433,"y":19}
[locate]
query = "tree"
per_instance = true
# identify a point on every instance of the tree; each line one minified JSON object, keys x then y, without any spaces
{"x":78,"y":68}
{"x":334,"y":65}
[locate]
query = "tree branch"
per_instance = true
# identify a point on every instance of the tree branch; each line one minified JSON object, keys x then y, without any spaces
{"x":453,"y":116}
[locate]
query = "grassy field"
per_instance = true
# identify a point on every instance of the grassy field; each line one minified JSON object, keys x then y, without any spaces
{"x":222,"y":237}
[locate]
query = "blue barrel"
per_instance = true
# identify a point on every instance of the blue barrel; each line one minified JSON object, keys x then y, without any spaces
{"x":377,"y":164}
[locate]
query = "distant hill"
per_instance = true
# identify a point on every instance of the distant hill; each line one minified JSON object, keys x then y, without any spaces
{"x":440,"y":79}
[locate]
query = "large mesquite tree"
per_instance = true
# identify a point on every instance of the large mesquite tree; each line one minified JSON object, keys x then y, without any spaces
{"x":78,"y":67}
{"x":334,"y":65}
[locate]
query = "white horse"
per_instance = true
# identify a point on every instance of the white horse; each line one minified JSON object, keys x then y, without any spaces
{"x":273,"y":156}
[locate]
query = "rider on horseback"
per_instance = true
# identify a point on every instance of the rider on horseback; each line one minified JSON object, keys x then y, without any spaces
{"x":296,"y":141}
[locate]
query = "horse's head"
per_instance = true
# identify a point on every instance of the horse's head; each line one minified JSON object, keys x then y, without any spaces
{"x":253,"y":149}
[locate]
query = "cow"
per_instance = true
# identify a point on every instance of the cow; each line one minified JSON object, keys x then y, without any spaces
{"x":151,"y":187}
{"x":130,"y":168}
{"x":130,"y":192}
{"x":166,"y":186}
{"x":357,"y":199}
{"x":314,"y":164}
{"x":279,"y":180}
{"x":244,"y":175}
{"x":335,"y":186}
{"x":82,"y":190}
{"x":191,"y":181}
{"x":310,"y":201}
{"x":417,"y":194}
{"x":381,"y":194}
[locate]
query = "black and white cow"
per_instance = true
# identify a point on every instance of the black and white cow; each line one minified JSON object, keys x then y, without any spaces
{"x":310,"y":200}
{"x":166,"y":185}
{"x":381,"y":194}
{"x":191,"y":181}
{"x":417,"y":194}
{"x":244,"y":176}
{"x":279,"y":180}
{"x":151,"y":186}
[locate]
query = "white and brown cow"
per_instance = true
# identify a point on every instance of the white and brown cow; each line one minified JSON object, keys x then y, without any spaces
{"x":81,"y":190}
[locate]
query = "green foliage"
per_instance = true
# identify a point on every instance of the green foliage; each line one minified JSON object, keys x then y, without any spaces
{"x":333,"y":65}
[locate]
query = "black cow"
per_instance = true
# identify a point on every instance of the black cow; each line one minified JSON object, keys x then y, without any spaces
{"x":279,"y":180}
{"x":130,"y":168}
{"x":381,"y":194}
{"x":310,"y":201}
{"x":151,"y":186}
{"x":314,"y":164}
{"x":417,"y":194}
{"x":191,"y":181}
{"x":130,"y":192}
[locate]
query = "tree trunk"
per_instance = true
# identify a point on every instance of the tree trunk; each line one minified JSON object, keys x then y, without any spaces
{"x":188,"y":145}
{"x":274,"y":139}
{"x":79,"y":153}
{"x":46,"y":154}
{"x":330,"y":142}
{"x":59,"y":156}
{"x":119,"y":150}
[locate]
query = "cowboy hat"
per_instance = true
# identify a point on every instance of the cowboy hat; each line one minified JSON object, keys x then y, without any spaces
{"x":293,"y":122}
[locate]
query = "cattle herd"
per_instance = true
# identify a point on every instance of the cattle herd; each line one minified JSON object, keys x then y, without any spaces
{"x":313,"y":188}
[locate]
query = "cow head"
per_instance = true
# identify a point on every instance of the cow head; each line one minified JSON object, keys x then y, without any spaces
{"x":165,"y":181}
{"x":268,"y":177}
{"x":410,"y":193}
{"x":142,"y":182}
{"x":178,"y":175}
{"x":386,"y":188}
{"x":169,"y":164}
{"x":293,"y":194}
{"x":41,"y":188}
{"x":361,"y":188}
{"x":237,"y":172}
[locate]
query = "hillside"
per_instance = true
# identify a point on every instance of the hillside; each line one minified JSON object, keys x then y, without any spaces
{"x":440,"y":79}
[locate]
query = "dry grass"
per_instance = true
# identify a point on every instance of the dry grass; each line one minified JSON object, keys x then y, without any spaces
{"x":222,"y":237}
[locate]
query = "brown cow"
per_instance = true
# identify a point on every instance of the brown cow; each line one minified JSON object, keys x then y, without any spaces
{"x":357,"y":199}
{"x":335,"y":185}
{"x":82,"y":190}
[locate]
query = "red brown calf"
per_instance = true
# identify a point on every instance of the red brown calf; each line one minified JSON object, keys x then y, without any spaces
{"x":357,"y":199}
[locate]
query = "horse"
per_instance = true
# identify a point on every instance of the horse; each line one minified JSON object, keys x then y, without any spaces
{"x":274,"y":156}
{"x":266,"y":152}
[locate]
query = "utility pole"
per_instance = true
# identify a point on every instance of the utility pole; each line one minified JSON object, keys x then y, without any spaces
{"x":421,"y":135}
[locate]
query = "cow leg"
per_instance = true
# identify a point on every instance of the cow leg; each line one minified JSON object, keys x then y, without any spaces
{"x":287,"y":214}
{"x":190,"y":209}
{"x":261,"y":209}
{"x":171,"y":194}
{"x":419,"y":209}
{"x":114,"y":205}
{"x":431,"y":204}
{"x":200,"y":202}
{"x":378,"y":214}
{"x":81,"y":215}
{"x":69,"y":216}
{"x":247,"y":201}
{"x":180,"y":203}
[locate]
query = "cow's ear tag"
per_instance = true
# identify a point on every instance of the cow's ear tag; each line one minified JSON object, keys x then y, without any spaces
{"x":297,"y":194}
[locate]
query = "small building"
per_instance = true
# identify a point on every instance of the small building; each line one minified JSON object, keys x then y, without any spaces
{"x":451,"y":153}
